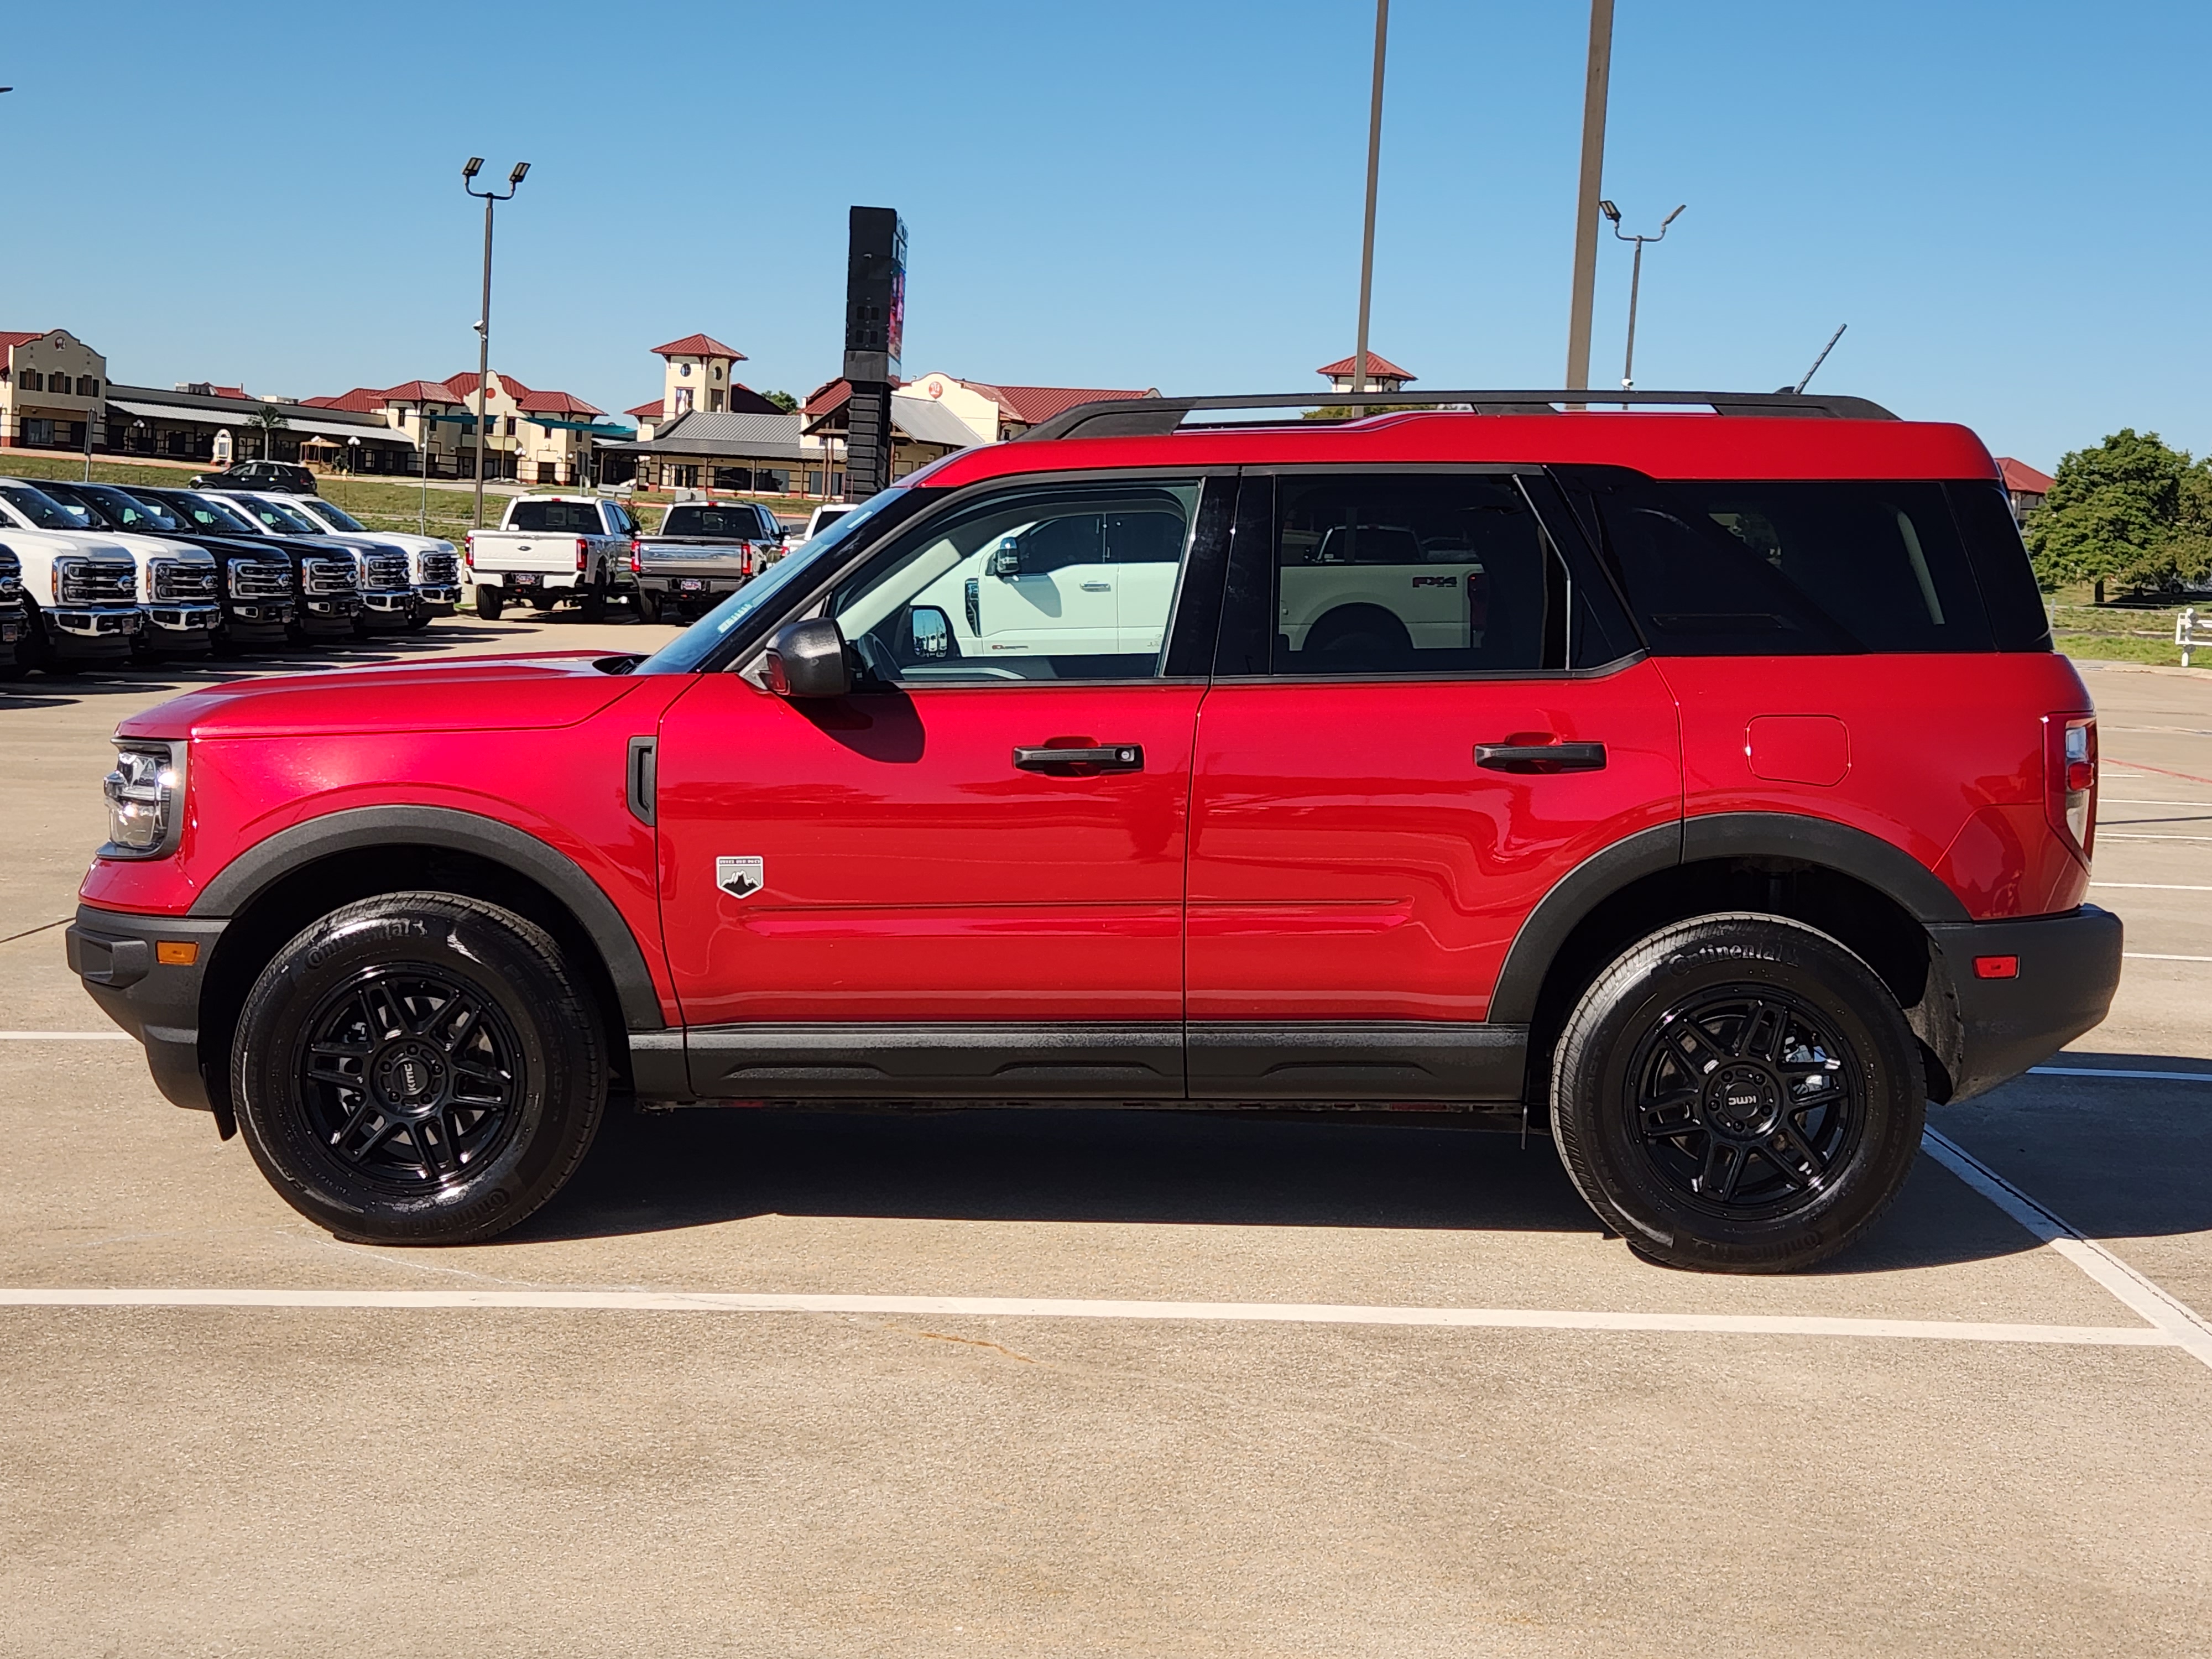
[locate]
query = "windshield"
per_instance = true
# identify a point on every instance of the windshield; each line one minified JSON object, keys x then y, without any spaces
{"x":335,"y":518}
{"x":43,"y":510}
{"x":695,"y":643}
{"x":126,"y":511}
{"x":288,"y":519}
{"x":210,"y":514}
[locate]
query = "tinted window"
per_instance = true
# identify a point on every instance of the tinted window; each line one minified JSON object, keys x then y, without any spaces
{"x":2018,"y":620}
{"x":561,"y":518}
{"x":127,"y":511}
{"x":210,"y":514}
{"x":736,"y":523}
{"x":43,"y":510}
{"x":1413,"y":574}
{"x":283,"y":520}
{"x":1768,"y":568}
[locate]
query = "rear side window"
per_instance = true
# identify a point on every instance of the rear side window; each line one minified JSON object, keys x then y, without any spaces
{"x":2017,"y":618}
{"x":557,"y":517}
{"x":1768,"y":568}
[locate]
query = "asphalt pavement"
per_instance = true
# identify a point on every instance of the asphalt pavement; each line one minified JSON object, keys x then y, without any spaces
{"x":1102,"y":1382}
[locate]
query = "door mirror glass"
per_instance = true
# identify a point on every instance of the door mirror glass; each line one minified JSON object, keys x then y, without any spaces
{"x":931,"y":631}
{"x":808,"y":659}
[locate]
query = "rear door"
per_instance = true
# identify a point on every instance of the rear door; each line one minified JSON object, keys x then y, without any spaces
{"x":1381,"y":799}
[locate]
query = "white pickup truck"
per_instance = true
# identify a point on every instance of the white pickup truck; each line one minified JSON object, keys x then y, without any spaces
{"x":80,"y":590}
{"x":550,"y":548}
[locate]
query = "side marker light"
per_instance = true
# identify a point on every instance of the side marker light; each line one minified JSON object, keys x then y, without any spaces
{"x":1996,"y":967}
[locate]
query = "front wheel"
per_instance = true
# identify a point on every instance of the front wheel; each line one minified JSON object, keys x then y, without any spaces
{"x":419,"y":1068}
{"x":1738,"y":1093}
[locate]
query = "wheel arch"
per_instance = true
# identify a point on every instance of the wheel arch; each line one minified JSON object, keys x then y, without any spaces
{"x":1867,"y":893}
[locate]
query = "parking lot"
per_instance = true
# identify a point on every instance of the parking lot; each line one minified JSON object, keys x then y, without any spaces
{"x":1076,"y":1382}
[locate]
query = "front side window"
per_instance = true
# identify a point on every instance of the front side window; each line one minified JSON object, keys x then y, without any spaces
{"x":283,"y":520}
{"x":1059,"y":582}
{"x":128,"y":513}
{"x":335,"y":517}
{"x":1424,"y":573}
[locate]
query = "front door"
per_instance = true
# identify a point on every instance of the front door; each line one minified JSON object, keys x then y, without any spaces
{"x":965,"y":877}
{"x":1394,"y":766}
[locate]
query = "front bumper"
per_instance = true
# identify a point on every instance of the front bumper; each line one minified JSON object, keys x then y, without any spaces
{"x":388,"y":602}
{"x":14,"y":626}
{"x":438,"y":600}
{"x":2069,"y":968}
{"x":92,"y":630}
{"x":175,"y":626}
{"x":333,"y":616}
{"x":117,"y":954}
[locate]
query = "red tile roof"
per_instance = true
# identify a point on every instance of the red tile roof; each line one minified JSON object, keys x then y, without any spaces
{"x":555,"y":403}
{"x":226,"y":392}
{"x":698,"y":345}
{"x":1378,"y":368}
{"x":416,"y":391}
{"x":652,"y":411}
{"x":830,"y":395}
{"x":463,"y":386}
{"x":10,"y":338}
{"x":2021,"y":478}
{"x":361,"y":400}
{"x":1030,"y":404}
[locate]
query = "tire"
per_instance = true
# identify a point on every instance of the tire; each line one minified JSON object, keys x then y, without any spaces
{"x":1361,"y":634}
{"x":418,"y":618}
{"x":490,"y":601}
{"x":593,"y":603}
{"x":346,"y":1083}
{"x":649,"y":606}
{"x":1672,"y":1088}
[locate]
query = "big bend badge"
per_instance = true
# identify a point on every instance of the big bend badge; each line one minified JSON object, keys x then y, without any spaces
{"x":740,"y":878}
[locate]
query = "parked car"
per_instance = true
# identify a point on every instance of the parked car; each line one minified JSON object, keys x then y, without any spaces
{"x":292,"y":479}
{"x":254,"y":583}
{"x":80,"y":589}
{"x":434,"y":566}
{"x":551,"y":548}
{"x":1660,"y":851}
{"x":380,"y":568}
{"x":178,"y":581}
{"x":324,"y":591}
{"x":823,"y":517}
{"x":701,"y":555}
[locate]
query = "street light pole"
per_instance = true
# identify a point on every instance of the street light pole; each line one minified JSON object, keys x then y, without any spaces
{"x":1374,"y":172}
{"x":483,"y":317}
{"x":1584,"y":293}
{"x":1635,"y":280}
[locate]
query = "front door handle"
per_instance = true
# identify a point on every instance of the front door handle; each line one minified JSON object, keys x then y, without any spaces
{"x":1093,"y":757}
{"x":1098,"y":587}
{"x":1540,"y":757}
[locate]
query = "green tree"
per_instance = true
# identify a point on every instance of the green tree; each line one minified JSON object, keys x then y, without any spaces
{"x":2116,"y":514}
{"x":782,"y":400}
{"x":269,"y":420}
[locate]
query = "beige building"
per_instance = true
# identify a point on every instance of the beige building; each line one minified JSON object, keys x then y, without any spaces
{"x":53,"y":387}
{"x":995,"y":412}
{"x":533,"y":436}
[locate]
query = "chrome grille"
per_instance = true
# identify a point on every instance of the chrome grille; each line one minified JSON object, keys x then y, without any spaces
{"x":440,"y":569}
{"x":385,"y":570}
{"x":260,"y":580}
{"x":85,"y":582}
{"x":175,"y":580}
{"x":11,"y":574}
{"x":330,"y":576}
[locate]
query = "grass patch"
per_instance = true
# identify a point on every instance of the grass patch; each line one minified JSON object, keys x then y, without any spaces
{"x":2124,"y":630}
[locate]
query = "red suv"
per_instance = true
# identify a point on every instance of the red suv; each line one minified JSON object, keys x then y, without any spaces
{"x":1704,"y":782}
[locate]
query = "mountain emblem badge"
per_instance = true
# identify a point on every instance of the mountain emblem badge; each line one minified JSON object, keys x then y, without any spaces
{"x":740,"y":878}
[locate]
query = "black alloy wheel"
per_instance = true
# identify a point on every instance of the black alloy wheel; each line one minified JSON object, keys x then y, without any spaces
{"x":1738,"y":1092}
{"x":419,"y":1068}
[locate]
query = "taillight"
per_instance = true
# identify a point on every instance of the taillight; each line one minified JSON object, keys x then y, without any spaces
{"x":634,"y":569}
{"x":2069,"y":764}
{"x":582,"y":547}
{"x":469,"y":550}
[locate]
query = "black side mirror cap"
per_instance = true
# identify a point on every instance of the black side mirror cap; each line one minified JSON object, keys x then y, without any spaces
{"x":809,"y":659}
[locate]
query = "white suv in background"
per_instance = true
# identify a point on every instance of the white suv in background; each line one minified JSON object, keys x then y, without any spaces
{"x":433,"y":566}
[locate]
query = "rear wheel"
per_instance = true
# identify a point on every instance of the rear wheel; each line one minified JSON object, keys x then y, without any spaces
{"x":1361,"y":634}
{"x":419,"y":1068}
{"x":1738,"y":1093}
{"x":649,"y":606}
{"x":489,"y":603}
{"x":594,"y":603}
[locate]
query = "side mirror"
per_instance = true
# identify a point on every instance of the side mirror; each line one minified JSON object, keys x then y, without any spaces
{"x":931,"y":632}
{"x":808,"y":659}
{"x":1006,"y":558}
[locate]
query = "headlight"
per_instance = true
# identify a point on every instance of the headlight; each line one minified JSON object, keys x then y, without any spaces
{"x":145,"y":800}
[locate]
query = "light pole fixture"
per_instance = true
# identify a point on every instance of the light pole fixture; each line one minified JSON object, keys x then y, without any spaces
{"x":1635,"y":280}
{"x":353,"y":463}
{"x":474,"y":166}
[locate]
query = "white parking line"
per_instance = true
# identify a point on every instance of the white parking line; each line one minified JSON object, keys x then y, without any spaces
{"x":2085,"y":1071}
{"x":2107,"y":836}
{"x":2155,"y":886}
{"x":2159,"y":956}
{"x":1011,"y":1307}
{"x":66,"y":1036}
{"x":2177,"y":1319}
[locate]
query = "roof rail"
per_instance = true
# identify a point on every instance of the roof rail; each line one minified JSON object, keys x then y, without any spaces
{"x":1146,"y":417}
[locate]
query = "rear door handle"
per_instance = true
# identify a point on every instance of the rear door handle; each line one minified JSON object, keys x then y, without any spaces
{"x":1540,"y":757}
{"x":1098,"y":757}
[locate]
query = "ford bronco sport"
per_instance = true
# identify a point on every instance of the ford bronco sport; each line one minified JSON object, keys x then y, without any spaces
{"x":1702,"y":783}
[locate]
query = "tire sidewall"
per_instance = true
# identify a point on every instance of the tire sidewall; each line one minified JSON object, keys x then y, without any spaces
{"x":492,"y":954}
{"x":1594,"y":1111}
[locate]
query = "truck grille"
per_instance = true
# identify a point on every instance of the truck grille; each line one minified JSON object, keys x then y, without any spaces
{"x":11,"y":575}
{"x":385,"y":570}
{"x":260,"y":581}
{"x":85,"y":582}
{"x":173,"y":581}
{"x":440,"y":569}
{"x":326,"y":577}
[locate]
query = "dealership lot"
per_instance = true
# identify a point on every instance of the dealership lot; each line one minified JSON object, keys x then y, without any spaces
{"x":1210,"y":1406}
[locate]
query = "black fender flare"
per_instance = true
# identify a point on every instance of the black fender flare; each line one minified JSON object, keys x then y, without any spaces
{"x":1879,"y":864}
{"x":260,"y":866}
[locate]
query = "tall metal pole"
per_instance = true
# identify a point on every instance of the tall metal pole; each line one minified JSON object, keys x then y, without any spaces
{"x":1584,"y":295}
{"x":1635,"y":283}
{"x":1374,"y":173}
{"x":484,"y":360}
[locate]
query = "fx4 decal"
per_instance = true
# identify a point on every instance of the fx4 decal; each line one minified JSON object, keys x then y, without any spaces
{"x":740,"y":878}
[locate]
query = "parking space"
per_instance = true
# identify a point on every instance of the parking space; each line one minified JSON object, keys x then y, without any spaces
{"x":1124,"y":1381}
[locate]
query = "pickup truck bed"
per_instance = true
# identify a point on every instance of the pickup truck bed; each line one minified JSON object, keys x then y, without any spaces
{"x":551,"y":548}
{"x":703,"y":554}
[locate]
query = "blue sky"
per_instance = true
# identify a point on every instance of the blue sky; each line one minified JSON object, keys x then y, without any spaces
{"x":2003,"y":200}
